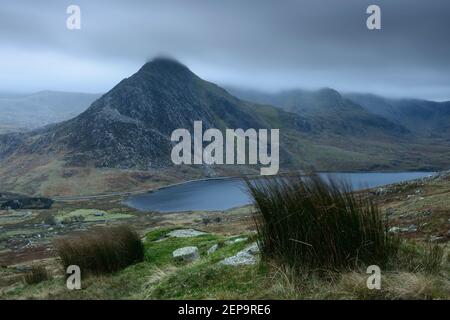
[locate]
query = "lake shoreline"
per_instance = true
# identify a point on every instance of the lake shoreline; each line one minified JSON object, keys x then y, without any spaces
{"x":361,"y":181}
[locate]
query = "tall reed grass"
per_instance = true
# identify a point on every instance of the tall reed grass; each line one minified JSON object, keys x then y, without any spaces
{"x":36,"y":275}
{"x":102,"y":251}
{"x":309,"y":222}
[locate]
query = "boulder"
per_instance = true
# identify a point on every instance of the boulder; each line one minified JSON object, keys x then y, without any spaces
{"x":243,"y":257}
{"x":186,"y":254}
{"x":252,"y":249}
{"x":185,"y":233}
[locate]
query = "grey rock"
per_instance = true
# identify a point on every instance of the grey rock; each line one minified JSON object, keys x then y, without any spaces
{"x":186,"y":254}
{"x":243,"y":257}
{"x":213,"y":249}
{"x":409,"y":229}
{"x":252,"y":249}
{"x":437,"y":239}
{"x":237,"y":240}
{"x":185,"y":233}
{"x":239,"y":259}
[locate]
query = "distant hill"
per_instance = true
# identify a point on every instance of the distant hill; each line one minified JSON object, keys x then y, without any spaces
{"x":20,"y":112}
{"x":328,"y":110}
{"x":426,"y":118}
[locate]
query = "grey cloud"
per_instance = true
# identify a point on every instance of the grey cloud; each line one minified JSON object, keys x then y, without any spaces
{"x":264,"y":44}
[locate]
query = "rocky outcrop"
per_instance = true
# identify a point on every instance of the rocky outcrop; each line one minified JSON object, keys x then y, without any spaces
{"x":243,"y":257}
{"x":186,"y":254}
{"x":185,"y":233}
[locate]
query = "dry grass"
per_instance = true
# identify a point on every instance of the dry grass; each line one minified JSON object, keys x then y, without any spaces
{"x":36,"y":275}
{"x":394,"y":286}
{"x":102,"y":251}
{"x":309,"y":223}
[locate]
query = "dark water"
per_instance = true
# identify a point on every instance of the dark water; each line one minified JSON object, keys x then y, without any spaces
{"x":224,"y":194}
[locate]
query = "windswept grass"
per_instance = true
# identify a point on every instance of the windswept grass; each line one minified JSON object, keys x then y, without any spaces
{"x":102,"y":251}
{"x":36,"y":275}
{"x":310,"y":223}
{"x":413,"y":257}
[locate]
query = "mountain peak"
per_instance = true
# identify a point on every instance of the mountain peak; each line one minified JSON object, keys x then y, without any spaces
{"x":330,"y":93}
{"x":164,"y":64}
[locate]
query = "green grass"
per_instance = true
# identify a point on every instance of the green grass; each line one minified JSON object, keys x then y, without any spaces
{"x":88,"y":215}
{"x":159,"y":277}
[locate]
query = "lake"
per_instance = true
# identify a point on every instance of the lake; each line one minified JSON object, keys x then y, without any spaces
{"x":223,"y":194}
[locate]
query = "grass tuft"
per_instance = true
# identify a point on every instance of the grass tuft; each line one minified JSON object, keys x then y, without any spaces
{"x":36,"y":275}
{"x":309,"y":223}
{"x":102,"y":251}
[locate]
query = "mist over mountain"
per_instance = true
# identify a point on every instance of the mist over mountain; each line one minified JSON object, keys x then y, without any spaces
{"x":426,"y":118}
{"x":23,"y":112}
{"x":328,"y":109}
{"x":421,"y":118}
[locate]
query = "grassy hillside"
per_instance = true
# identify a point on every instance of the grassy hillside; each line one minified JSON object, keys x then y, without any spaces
{"x":418,"y":212}
{"x":159,"y":277}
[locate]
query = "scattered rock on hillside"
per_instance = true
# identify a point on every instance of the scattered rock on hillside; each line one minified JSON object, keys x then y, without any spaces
{"x":237,"y":240}
{"x":252,"y":249}
{"x":239,"y":259}
{"x":243,"y":257}
{"x":185,"y":233}
{"x":409,"y":229}
{"x":437,"y":239}
{"x":213,"y":249}
{"x":186,"y":254}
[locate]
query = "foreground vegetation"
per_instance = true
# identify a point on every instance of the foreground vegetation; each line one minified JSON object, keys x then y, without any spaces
{"x":313,"y":223}
{"x":158,"y":276}
{"x":415,"y":268}
{"x":103,"y":251}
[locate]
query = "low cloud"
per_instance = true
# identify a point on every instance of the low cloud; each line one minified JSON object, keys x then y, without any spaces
{"x":263,"y":44}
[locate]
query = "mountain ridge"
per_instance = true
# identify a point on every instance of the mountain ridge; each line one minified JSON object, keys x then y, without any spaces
{"x":122,"y":141}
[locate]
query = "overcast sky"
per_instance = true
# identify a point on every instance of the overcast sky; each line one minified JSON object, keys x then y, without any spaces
{"x":261,"y":44}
